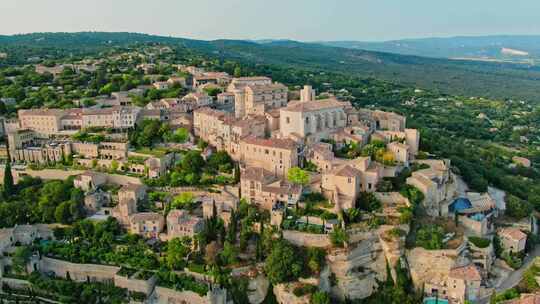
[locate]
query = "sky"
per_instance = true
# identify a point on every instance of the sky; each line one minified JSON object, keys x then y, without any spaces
{"x":304,"y":20}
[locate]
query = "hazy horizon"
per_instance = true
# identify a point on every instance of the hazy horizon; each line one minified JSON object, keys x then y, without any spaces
{"x":302,"y":20}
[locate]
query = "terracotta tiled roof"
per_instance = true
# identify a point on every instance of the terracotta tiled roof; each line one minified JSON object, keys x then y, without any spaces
{"x":145,"y":216}
{"x":256,"y":173}
{"x":347,"y":171}
{"x":299,"y":106}
{"x":512,"y":233}
{"x":279,"y":143}
{"x":468,"y":273}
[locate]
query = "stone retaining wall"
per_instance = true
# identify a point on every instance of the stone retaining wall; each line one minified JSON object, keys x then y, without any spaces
{"x":48,"y":174}
{"x":144,"y":286}
{"x":78,"y":272}
{"x":164,"y":295}
{"x":307,"y":239}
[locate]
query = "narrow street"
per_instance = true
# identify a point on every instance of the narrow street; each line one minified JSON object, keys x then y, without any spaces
{"x":514,"y":278}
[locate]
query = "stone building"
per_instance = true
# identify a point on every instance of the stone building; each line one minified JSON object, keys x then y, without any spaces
{"x":274,"y":155}
{"x":436,"y":183}
{"x":89,"y":181}
{"x":464,"y":283}
{"x":512,"y":239}
{"x":180,"y":224}
{"x":264,"y":189}
{"x":256,"y":99}
{"x":148,"y":224}
{"x":128,"y":198}
{"x":221,"y":130}
{"x":312,"y":120}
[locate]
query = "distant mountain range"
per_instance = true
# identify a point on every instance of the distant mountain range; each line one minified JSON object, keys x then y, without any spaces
{"x":458,"y":77}
{"x":511,"y":48}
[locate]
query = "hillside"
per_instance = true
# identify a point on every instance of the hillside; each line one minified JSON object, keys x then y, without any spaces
{"x":470,"y":78}
{"x":456,"y":47}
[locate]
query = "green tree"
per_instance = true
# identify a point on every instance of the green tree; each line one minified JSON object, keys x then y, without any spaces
{"x":229,"y":254}
{"x":282,"y":264}
{"x":177,"y":251}
{"x":298,"y":176}
{"x":237,"y":72}
{"x":220,"y":161}
{"x":180,"y":135}
{"x":517,"y":208}
{"x":320,"y":297}
{"x":62,"y":213}
{"x":21,"y":257}
{"x":184,"y":200}
{"x":9,"y":185}
{"x":339,"y":237}
{"x":192,"y":162}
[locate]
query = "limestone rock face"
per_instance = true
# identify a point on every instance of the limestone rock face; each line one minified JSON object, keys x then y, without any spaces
{"x":392,"y":246}
{"x":430,"y":265}
{"x":357,"y":267}
{"x":284,"y":295}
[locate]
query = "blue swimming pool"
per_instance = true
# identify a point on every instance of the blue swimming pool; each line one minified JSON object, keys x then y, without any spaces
{"x":435,"y":301}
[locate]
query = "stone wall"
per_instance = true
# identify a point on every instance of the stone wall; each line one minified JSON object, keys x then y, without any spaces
{"x":144,"y":286}
{"x":77,"y":272}
{"x":48,"y":174}
{"x":16,"y":283}
{"x":162,"y":295}
{"x":45,"y":174}
{"x":307,"y":239}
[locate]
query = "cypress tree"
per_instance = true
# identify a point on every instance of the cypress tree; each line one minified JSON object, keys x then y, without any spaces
{"x":9,"y":186}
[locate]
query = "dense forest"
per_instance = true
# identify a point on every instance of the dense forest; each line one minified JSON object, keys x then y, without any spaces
{"x":472,"y":78}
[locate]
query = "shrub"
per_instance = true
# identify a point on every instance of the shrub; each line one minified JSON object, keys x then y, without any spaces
{"x":479,"y":242}
{"x":430,"y":237}
{"x":303,"y":290}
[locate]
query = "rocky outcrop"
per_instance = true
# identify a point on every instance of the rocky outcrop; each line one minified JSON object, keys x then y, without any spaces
{"x":430,"y":265}
{"x":357,"y":267}
{"x":284,"y":294}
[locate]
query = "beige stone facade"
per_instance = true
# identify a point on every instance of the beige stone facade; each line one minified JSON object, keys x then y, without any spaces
{"x":221,"y":130}
{"x":274,"y":155}
{"x":264,"y":189}
{"x":314,"y":119}
{"x":256,"y":99}
{"x":180,"y":224}
{"x":436,"y":183}
{"x":512,"y":239}
{"x":148,"y":224}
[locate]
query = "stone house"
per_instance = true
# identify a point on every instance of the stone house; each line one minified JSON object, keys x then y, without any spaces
{"x":512,"y":239}
{"x":180,"y":224}
{"x":464,"y":283}
{"x":89,"y":181}
{"x":274,"y":155}
{"x":148,"y":224}
{"x":436,"y":183}
{"x":261,"y":187}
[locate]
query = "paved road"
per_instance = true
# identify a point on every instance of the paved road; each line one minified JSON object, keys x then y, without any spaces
{"x":514,"y":278}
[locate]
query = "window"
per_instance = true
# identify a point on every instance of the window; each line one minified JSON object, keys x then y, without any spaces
{"x":288,"y":119}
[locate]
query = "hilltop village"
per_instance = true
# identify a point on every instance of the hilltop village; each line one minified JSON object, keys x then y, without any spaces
{"x":196,"y":186}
